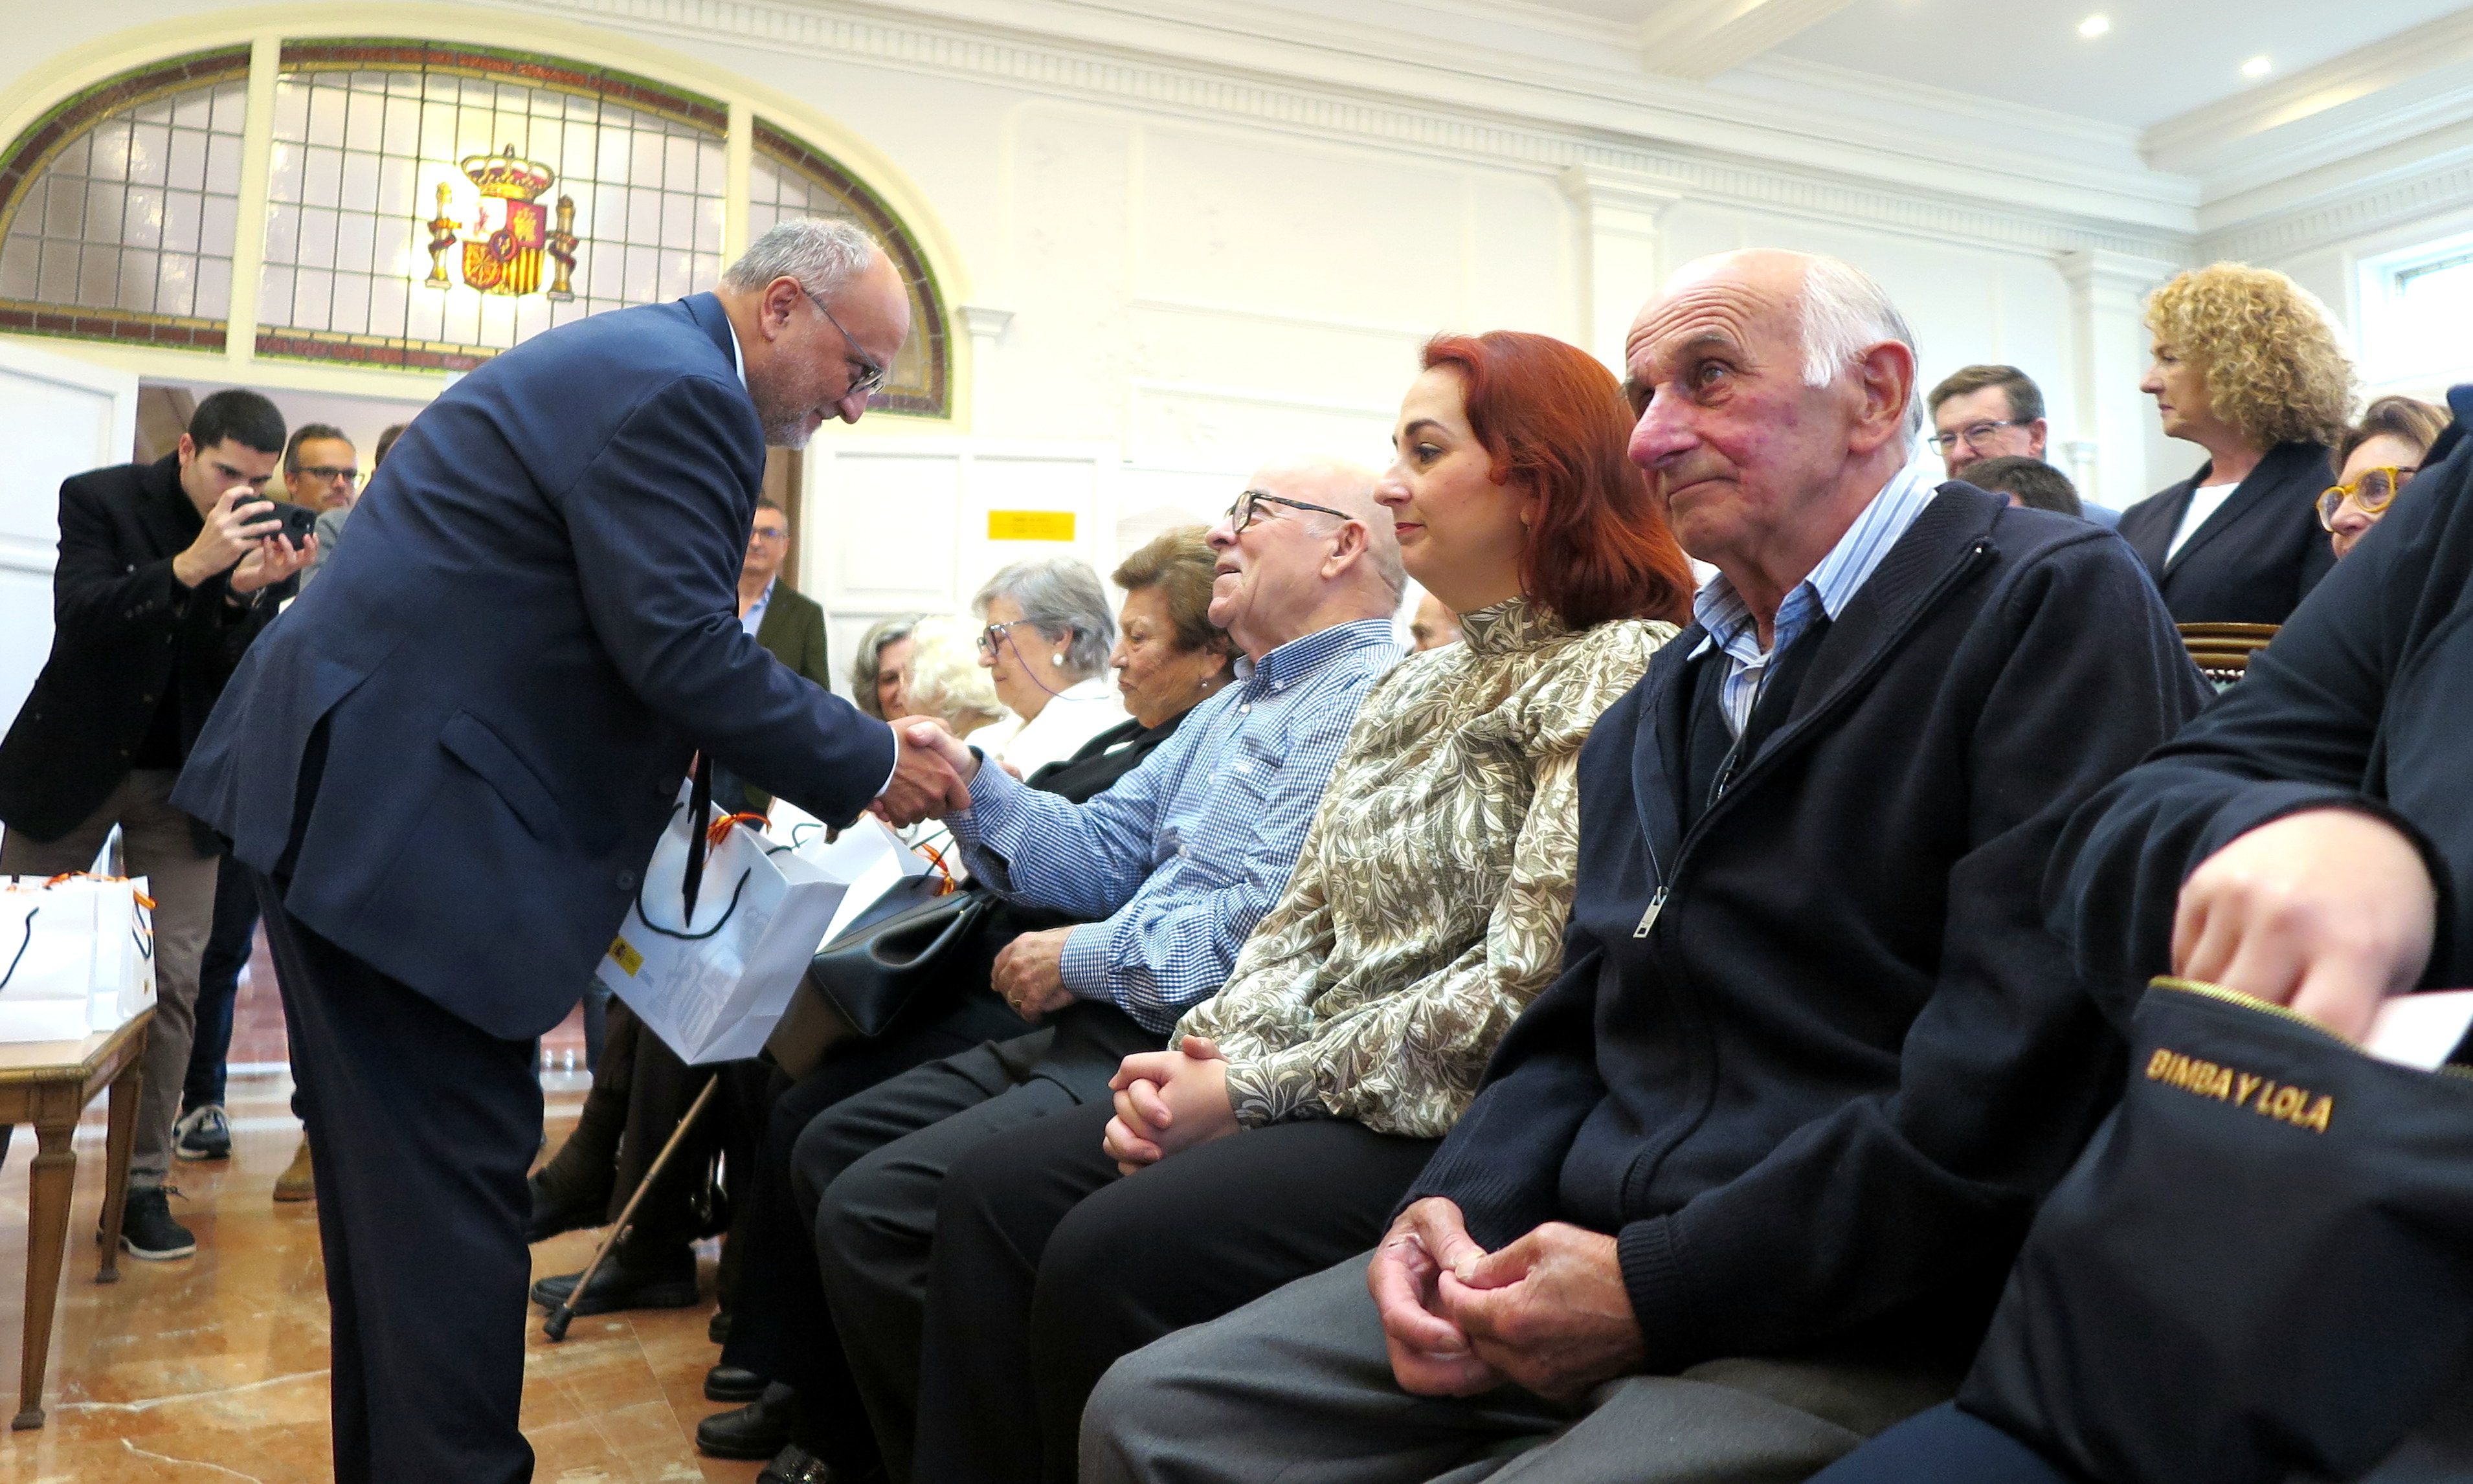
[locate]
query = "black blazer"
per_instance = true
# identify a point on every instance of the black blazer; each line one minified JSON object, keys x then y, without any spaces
{"x":2361,"y":703}
{"x":2256,"y":557}
{"x":123,"y":629}
{"x":507,"y":668}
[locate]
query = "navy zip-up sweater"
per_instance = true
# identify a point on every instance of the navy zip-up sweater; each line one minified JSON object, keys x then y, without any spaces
{"x":1818,"y":1093}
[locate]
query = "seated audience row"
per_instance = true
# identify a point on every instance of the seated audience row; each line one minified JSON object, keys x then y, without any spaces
{"x":1567,"y":1052}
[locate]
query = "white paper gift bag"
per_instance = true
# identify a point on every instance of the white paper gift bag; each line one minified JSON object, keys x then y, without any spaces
{"x":868,"y":857}
{"x":124,"y":961}
{"x":74,"y":951}
{"x":711,"y":987}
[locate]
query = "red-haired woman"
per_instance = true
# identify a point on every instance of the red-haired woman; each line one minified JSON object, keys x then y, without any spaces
{"x":1426,"y":909}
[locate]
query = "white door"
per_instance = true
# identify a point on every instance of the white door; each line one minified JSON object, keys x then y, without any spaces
{"x":59,"y":416}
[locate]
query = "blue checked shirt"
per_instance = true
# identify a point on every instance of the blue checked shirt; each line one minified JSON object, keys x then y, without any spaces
{"x":1183,"y":856}
{"x":1831,"y":586}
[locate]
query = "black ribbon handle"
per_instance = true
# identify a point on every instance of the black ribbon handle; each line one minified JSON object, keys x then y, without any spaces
{"x":699,"y":805}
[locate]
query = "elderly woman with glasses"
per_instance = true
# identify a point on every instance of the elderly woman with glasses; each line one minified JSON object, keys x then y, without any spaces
{"x":1045,"y":645}
{"x":2377,"y":457}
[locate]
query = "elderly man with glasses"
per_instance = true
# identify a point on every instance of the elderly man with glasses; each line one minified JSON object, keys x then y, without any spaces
{"x":1167,"y":871}
{"x":446,"y":771}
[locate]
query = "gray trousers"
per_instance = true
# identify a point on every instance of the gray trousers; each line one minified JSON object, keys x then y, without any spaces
{"x":1296,"y":1388}
{"x":159,"y":842}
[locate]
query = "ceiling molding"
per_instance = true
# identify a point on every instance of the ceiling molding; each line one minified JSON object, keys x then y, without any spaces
{"x":2373,"y":96}
{"x":2434,"y":186}
{"x":1457,"y":108}
{"x":1700,"y":38}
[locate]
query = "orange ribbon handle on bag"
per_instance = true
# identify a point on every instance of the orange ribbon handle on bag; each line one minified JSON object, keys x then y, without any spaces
{"x":143,"y":900}
{"x":720,"y":830}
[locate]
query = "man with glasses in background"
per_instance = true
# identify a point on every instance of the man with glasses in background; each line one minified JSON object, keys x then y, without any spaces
{"x":321,"y":469}
{"x":1167,"y":872}
{"x":1993,"y":412}
{"x":447,"y":769}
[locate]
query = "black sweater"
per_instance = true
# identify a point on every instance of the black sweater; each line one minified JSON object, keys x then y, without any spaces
{"x":1818,"y":1097}
{"x":2364,"y":701}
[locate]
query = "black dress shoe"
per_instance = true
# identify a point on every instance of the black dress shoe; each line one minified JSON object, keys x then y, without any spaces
{"x":795,"y":1465}
{"x":617,"y":1286}
{"x":733,"y":1383}
{"x":718,"y":1327}
{"x":760,"y":1429}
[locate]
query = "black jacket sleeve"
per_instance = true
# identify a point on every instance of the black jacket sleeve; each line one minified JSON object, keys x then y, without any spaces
{"x":98,"y":596}
{"x":2300,"y":732}
{"x":2072,"y":677}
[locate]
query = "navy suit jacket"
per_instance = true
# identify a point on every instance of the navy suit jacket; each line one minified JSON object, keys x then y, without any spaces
{"x":2256,"y":557}
{"x":459,"y":747}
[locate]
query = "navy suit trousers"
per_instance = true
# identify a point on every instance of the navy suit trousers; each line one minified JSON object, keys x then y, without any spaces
{"x":423,"y":1127}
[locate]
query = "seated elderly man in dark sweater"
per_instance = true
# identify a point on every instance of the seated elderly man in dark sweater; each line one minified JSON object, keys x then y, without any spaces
{"x":1739,"y":1187}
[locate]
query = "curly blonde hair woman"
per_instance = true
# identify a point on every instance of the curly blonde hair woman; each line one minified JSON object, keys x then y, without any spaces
{"x":2248,"y":367}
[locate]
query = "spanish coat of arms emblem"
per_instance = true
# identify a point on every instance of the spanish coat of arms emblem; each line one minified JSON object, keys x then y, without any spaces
{"x":509,"y":233}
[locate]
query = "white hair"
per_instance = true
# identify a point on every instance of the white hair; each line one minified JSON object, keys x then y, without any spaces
{"x":1845,"y":314}
{"x":822,"y":252}
{"x":946,"y":680}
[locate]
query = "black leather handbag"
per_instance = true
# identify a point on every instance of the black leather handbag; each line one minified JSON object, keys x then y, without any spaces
{"x":871,"y":973}
{"x":2260,"y":1269}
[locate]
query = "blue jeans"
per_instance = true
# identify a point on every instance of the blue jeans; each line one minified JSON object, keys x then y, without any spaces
{"x":228,"y":940}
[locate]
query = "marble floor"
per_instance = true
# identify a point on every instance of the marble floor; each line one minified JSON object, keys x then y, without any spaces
{"x":214,"y":1368}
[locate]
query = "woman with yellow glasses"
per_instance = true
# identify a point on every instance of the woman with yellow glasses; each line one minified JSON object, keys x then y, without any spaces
{"x":2375,"y":458}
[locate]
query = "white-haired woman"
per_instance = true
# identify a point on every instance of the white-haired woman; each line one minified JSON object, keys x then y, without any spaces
{"x":1045,"y":645}
{"x":943,"y":679}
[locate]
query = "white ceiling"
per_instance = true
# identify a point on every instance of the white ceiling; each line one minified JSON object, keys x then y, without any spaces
{"x":2161,"y":57}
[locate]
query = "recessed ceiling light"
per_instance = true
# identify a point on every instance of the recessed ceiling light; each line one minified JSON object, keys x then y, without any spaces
{"x":2257,"y":67}
{"x":2095,"y":26}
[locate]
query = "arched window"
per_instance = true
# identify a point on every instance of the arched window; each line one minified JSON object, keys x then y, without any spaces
{"x":425,"y":207}
{"x":118,"y":207}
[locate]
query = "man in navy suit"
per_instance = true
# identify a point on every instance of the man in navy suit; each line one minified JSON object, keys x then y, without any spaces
{"x":447,"y":768}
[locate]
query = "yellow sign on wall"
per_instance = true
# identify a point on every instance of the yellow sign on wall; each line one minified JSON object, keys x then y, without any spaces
{"x":1030,"y":525}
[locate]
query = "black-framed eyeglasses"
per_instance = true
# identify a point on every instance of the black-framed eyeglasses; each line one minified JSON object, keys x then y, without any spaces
{"x":1248,"y":509}
{"x":767,"y":533}
{"x":329,"y":473}
{"x":1975,"y":433}
{"x":871,"y":374}
{"x":994,"y":635}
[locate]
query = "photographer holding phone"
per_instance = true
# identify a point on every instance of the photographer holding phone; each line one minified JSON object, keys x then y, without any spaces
{"x":167,"y":571}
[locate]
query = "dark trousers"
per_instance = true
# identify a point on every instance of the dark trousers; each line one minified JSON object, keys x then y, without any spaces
{"x":771,"y":1333}
{"x":1049,"y":1266}
{"x":230,"y":937}
{"x":425,"y":1127}
{"x":869,"y":1171}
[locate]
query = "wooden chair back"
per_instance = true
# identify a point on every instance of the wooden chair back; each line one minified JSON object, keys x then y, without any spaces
{"x":2222,"y":651}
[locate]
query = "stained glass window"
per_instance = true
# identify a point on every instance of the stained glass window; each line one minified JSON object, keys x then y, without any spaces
{"x":425,"y":207}
{"x":118,"y":207}
{"x":428,"y":208}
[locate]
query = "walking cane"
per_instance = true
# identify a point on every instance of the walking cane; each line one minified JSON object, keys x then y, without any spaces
{"x":554,"y":1327}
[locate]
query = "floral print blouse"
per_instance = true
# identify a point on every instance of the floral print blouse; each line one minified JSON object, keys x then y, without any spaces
{"x":1426,"y":908}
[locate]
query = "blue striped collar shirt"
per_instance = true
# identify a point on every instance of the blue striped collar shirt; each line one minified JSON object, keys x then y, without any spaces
{"x":1178,"y":861}
{"x":1830,"y":586}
